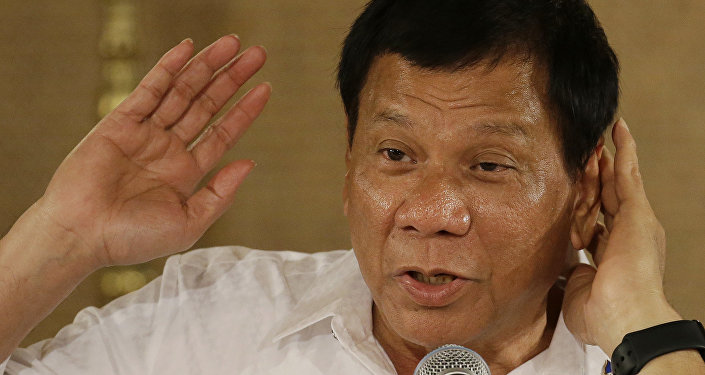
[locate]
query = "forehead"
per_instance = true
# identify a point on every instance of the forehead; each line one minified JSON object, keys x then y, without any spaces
{"x":509,"y":93}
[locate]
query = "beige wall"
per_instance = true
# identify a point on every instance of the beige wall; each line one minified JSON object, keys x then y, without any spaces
{"x":50,"y":81}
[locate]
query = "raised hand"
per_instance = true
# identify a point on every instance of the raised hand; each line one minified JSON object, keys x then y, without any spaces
{"x":625,"y":292}
{"x":126,"y":192}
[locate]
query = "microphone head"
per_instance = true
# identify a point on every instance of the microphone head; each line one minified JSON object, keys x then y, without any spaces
{"x":452,"y":360}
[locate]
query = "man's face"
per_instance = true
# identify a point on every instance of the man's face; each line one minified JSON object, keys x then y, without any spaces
{"x":458,"y":200}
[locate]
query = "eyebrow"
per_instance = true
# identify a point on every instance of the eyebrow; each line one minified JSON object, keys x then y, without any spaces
{"x":394,"y":117}
{"x":504,"y":128}
{"x":508,"y":128}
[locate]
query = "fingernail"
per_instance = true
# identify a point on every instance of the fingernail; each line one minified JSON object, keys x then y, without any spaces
{"x":187,"y":40}
{"x":262,"y":85}
{"x":254,"y":163}
{"x":231,"y":36}
{"x":624,"y":123}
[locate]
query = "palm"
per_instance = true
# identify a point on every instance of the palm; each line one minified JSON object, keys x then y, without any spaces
{"x":152,"y":178}
{"x":127,"y":190}
{"x":629,"y":251}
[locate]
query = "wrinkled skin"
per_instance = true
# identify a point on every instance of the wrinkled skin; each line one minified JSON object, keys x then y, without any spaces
{"x":460,"y":172}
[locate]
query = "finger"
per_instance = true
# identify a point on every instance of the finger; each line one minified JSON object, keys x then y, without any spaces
{"x":208,"y":203}
{"x":193,"y":78}
{"x":150,"y":91}
{"x":609,"y":220}
{"x":577,"y":293}
{"x":627,"y":178}
{"x":608,"y":195}
{"x":223,"y":135}
{"x":218,"y":92}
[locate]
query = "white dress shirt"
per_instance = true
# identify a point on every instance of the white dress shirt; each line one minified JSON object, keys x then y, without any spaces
{"x":233,"y":310}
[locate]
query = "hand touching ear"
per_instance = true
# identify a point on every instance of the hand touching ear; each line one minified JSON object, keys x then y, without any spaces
{"x":625,"y":292}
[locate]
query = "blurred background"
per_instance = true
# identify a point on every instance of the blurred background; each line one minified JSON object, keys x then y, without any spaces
{"x":64,"y":64}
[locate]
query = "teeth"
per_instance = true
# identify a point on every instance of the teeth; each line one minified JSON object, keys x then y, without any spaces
{"x":433,"y":280}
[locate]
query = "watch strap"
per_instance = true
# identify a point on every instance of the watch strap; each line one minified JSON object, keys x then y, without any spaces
{"x":639,"y":347}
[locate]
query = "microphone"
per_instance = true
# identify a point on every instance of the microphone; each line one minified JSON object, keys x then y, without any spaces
{"x":452,"y":360}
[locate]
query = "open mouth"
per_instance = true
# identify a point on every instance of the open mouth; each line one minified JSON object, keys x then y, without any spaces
{"x":437,"y":279}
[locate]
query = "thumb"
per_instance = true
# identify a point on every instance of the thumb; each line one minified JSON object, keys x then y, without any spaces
{"x":577,"y":294}
{"x":208,"y":203}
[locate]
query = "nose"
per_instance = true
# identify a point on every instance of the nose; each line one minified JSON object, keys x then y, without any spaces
{"x":435,"y":206}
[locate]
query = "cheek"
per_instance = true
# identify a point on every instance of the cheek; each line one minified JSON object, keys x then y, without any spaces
{"x":525,"y":232}
{"x":368,"y":193}
{"x":370,"y":208}
{"x":372,"y":203}
{"x":369,"y":201}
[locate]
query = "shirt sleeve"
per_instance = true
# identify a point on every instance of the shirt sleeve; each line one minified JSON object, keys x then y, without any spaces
{"x":116,"y":339}
{"x":185,"y":321}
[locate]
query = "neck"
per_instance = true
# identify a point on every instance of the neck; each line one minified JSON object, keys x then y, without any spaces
{"x":502,"y":349}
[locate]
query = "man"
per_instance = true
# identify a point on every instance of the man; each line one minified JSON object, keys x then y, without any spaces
{"x":475,"y":171}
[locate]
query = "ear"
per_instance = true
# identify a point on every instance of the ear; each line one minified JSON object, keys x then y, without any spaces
{"x":346,"y":184}
{"x":348,"y":162}
{"x":586,"y":207}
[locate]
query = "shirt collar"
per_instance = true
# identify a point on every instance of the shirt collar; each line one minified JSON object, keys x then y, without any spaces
{"x":338,"y":291}
{"x":564,"y":353}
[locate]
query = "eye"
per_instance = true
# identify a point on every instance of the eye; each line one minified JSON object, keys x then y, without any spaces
{"x":396,"y":155}
{"x":489,"y":167}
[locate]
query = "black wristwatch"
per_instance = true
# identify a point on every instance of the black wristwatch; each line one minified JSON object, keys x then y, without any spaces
{"x":640,"y":347}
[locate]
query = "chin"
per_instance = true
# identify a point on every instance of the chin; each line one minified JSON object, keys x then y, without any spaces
{"x":434,"y":327}
{"x":432,"y":339}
